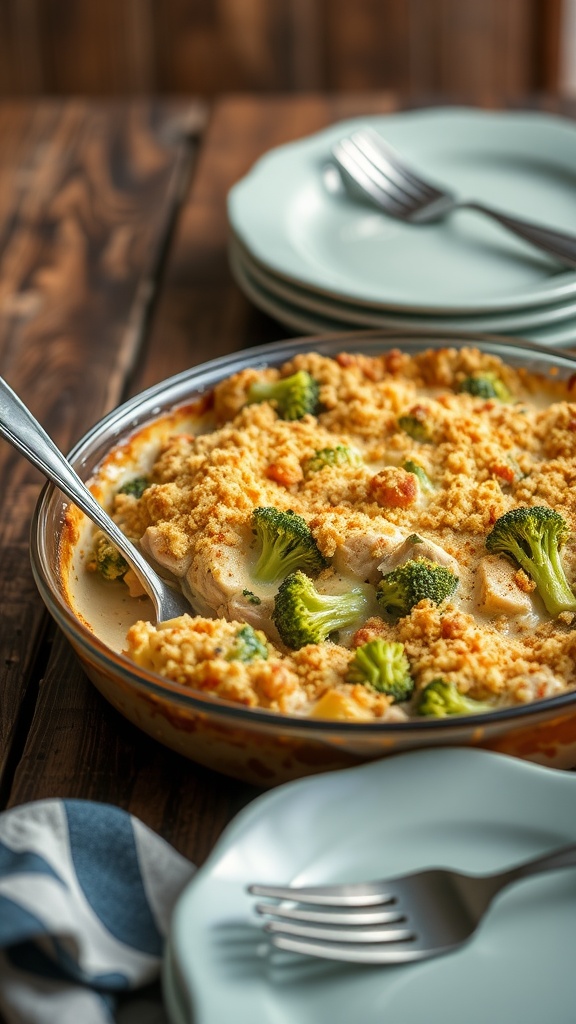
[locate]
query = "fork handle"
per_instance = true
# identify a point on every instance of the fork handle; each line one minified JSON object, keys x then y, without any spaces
{"x":563,"y":858}
{"x":556,"y":243}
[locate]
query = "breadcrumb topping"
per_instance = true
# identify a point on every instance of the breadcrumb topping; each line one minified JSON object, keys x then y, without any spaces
{"x":482,"y":457}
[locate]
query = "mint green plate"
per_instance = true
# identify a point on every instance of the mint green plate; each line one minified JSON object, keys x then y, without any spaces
{"x":461,"y":808}
{"x":551,"y":316}
{"x":525,"y":163}
{"x":297,"y":317}
{"x":175,"y":998}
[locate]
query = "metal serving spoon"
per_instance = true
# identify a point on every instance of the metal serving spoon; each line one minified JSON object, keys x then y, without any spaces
{"x":21,"y":429}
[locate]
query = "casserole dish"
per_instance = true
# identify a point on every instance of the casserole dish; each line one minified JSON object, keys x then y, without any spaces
{"x":261,"y":746}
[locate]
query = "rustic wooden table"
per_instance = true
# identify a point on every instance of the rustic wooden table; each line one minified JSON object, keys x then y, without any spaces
{"x":114,"y":275}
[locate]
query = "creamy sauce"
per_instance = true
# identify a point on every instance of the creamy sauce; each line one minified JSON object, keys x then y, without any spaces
{"x":104,"y":606}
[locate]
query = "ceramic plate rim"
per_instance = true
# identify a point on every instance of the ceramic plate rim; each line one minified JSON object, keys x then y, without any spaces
{"x":355,"y":315}
{"x":312,"y":323}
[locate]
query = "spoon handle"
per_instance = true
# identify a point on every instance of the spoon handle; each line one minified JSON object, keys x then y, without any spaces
{"x":22,"y":430}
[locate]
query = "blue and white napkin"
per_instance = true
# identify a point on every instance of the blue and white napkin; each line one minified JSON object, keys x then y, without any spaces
{"x":86,"y":894}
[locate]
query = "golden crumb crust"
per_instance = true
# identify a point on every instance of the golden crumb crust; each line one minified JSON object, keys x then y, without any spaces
{"x":398,"y":446}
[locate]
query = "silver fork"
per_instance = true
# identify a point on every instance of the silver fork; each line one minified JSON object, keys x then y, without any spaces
{"x":376,"y":170}
{"x":412,"y":917}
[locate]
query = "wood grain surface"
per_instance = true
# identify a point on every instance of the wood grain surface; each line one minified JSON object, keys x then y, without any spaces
{"x":87,"y":197}
{"x":469,"y":48}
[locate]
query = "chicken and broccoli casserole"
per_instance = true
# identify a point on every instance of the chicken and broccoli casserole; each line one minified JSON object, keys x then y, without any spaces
{"x":365,"y":538}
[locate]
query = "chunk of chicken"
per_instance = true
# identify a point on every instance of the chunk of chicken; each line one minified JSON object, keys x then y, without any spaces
{"x":154,"y":543}
{"x":497,"y":589}
{"x":241,"y":608}
{"x":416,"y":546}
{"x":219,"y":584}
{"x":361,"y":551}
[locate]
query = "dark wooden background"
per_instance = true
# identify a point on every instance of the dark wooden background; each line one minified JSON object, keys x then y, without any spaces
{"x":470,"y":49}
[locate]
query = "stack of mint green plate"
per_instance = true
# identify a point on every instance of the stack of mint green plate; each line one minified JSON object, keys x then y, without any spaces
{"x":317,"y":260}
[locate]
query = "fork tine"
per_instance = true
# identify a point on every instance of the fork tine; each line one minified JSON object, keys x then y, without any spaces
{"x":394,"y":172}
{"x":329,"y":916}
{"x":385,"y":157}
{"x":363,"y":894}
{"x":364,"y":181}
{"x":361,"y":933}
{"x":388,"y":189}
{"x":394,"y":953}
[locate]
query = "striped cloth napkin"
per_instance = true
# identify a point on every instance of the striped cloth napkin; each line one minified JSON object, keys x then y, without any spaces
{"x":86,"y":894}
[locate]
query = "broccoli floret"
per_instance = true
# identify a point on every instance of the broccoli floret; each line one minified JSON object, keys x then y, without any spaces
{"x":338,"y":456}
{"x":136,"y":486}
{"x":293,"y":396}
{"x":251,"y":597}
{"x":248,"y":646}
{"x":439,"y":699}
{"x":420,"y":474}
{"x":107,"y":560}
{"x":383,"y":665}
{"x":287,"y":544}
{"x":413,"y":581}
{"x":415,"y":427}
{"x":533,"y":538}
{"x":303,"y":616}
{"x":486,"y":385}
